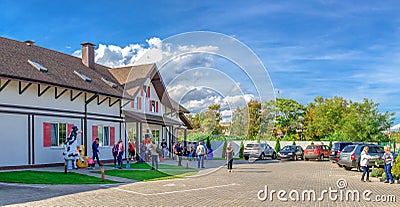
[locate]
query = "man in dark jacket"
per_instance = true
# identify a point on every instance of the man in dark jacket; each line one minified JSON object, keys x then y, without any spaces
{"x":95,"y":150}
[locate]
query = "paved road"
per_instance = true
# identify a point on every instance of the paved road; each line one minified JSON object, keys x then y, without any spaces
{"x":220,"y":188}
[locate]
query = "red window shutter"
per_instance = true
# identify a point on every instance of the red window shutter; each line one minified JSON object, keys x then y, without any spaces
{"x":69,"y":129}
{"x":132,"y":104}
{"x":157,"y":106}
{"x":141,"y":92}
{"x":148,"y":91}
{"x":139,"y":103}
{"x":95,"y":133}
{"x":112,"y":136}
{"x":46,"y":134}
{"x":151,"y":108}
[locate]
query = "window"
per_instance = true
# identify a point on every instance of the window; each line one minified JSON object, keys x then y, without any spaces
{"x":156,"y":134}
{"x":37,"y":66}
{"x":110,"y":83}
{"x":139,"y":103}
{"x":103,"y":133}
{"x":58,"y":134}
{"x":83,"y":76}
{"x":153,"y":106}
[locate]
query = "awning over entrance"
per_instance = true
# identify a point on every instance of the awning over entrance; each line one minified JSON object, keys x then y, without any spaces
{"x":131,"y":116}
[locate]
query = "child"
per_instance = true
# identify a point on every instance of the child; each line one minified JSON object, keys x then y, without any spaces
{"x":90,"y":163}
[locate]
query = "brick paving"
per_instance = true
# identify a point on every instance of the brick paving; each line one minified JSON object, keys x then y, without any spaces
{"x":218,"y":188}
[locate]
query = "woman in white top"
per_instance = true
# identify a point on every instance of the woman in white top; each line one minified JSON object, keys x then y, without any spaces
{"x":365,"y":157}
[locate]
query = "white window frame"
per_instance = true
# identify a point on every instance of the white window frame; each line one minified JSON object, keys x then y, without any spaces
{"x":58,"y":144}
{"x":103,"y":133}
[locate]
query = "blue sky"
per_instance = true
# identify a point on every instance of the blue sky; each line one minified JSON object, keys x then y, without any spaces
{"x":310,"y":48}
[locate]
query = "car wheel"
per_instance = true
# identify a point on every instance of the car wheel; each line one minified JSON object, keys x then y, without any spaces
{"x":262,"y":156}
{"x":274,"y":156}
{"x":246,"y":158}
{"x":347,"y":168}
{"x":321,"y":157}
{"x":306,"y":159}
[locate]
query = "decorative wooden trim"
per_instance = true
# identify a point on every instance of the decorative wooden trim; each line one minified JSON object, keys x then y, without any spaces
{"x":102,"y":101}
{"x":58,"y":95}
{"x":123,"y":105}
{"x":2,"y":87}
{"x":113,"y":103}
{"x":40,"y":93}
{"x":23,"y":89}
{"x":87,"y":101}
{"x":76,"y":96}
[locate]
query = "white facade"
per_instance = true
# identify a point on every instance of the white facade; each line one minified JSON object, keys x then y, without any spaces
{"x":24,"y":115}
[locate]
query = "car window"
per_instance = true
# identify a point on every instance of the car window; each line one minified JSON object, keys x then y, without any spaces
{"x":348,"y":148}
{"x":251,"y":145}
{"x":298,"y":148}
{"x":372,"y":149}
{"x":311,"y":147}
{"x":380,"y":150}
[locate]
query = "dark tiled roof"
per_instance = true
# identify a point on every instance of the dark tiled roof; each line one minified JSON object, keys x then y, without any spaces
{"x":14,"y":56}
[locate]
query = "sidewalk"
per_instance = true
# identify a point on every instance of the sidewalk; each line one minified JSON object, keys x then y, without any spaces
{"x":210,"y":166}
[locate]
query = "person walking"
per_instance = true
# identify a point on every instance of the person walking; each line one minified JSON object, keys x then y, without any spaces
{"x":120,"y":152}
{"x":179,"y":153}
{"x":154,"y":155}
{"x":200,"y":151}
{"x":165,"y":148}
{"x":115,"y":154}
{"x":229,"y":156}
{"x":95,"y":151}
{"x":365,"y":157}
{"x":388,"y":160}
{"x":131,"y":150}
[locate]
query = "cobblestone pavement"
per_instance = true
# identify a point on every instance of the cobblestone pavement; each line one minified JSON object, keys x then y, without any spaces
{"x":221,"y":188}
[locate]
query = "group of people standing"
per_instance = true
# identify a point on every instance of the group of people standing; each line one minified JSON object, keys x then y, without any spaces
{"x":388,"y":161}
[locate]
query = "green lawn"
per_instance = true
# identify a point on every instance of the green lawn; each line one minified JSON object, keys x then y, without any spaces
{"x":160,"y":166}
{"x":42,"y":177}
{"x":148,"y":175}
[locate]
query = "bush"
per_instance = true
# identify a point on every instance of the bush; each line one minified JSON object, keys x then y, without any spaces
{"x":224,"y":149}
{"x":377,"y":172}
{"x":294,"y":143}
{"x":241,"y":151}
{"x":384,"y":175}
{"x":330,"y":144}
{"x":277,"y":146}
{"x":208,"y":144}
{"x":396,"y":169}
{"x":312,"y":142}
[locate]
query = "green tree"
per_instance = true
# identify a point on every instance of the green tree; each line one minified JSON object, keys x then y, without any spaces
{"x":277,"y":146}
{"x":239,"y":122}
{"x":241,"y":151}
{"x":254,"y":108}
{"x":289,"y":115}
{"x":208,"y":143}
{"x":224,"y":149}
{"x":216,"y":110}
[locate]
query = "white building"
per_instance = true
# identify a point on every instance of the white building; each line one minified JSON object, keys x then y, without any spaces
{"x":43,"y":93}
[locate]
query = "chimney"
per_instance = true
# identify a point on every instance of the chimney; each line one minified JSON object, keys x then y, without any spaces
{"x":29,"y":42}
{"x":88,"y":54}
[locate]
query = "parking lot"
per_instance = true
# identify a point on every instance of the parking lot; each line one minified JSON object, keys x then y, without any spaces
{"x":245,"y":186}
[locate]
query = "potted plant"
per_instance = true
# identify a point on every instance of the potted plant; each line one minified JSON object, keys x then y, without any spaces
{"x":383,"y":178}
{"x":396,"y":170}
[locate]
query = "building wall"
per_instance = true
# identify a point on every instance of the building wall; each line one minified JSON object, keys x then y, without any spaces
{"x":26,"y":114}
{"x":13,"y":139}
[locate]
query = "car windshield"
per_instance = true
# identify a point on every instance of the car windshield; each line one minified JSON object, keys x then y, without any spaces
{"x":311,"y":147}
{"x":348,"y":148}
{"x":289,"y":148}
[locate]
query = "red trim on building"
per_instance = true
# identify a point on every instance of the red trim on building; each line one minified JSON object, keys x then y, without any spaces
{"x":95,"y":132}
{"x":46,"y":134}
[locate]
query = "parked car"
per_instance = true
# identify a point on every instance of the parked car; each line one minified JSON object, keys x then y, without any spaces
{"x":258,"y":150}
{"x":351,"y":154}
{"x":316,"y":151}
{"x":291,"y":152}
{"x":337,"y":147}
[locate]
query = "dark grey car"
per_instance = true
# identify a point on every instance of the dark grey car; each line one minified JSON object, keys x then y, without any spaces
{"x":351,"y":154}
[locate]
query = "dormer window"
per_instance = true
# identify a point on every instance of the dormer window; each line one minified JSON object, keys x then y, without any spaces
{"x":37,"y":66}
{"x":110,"y":83}
{"x":83,"y":76}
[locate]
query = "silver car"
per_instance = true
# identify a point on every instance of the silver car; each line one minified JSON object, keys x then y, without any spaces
{"x":258,"y":150}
